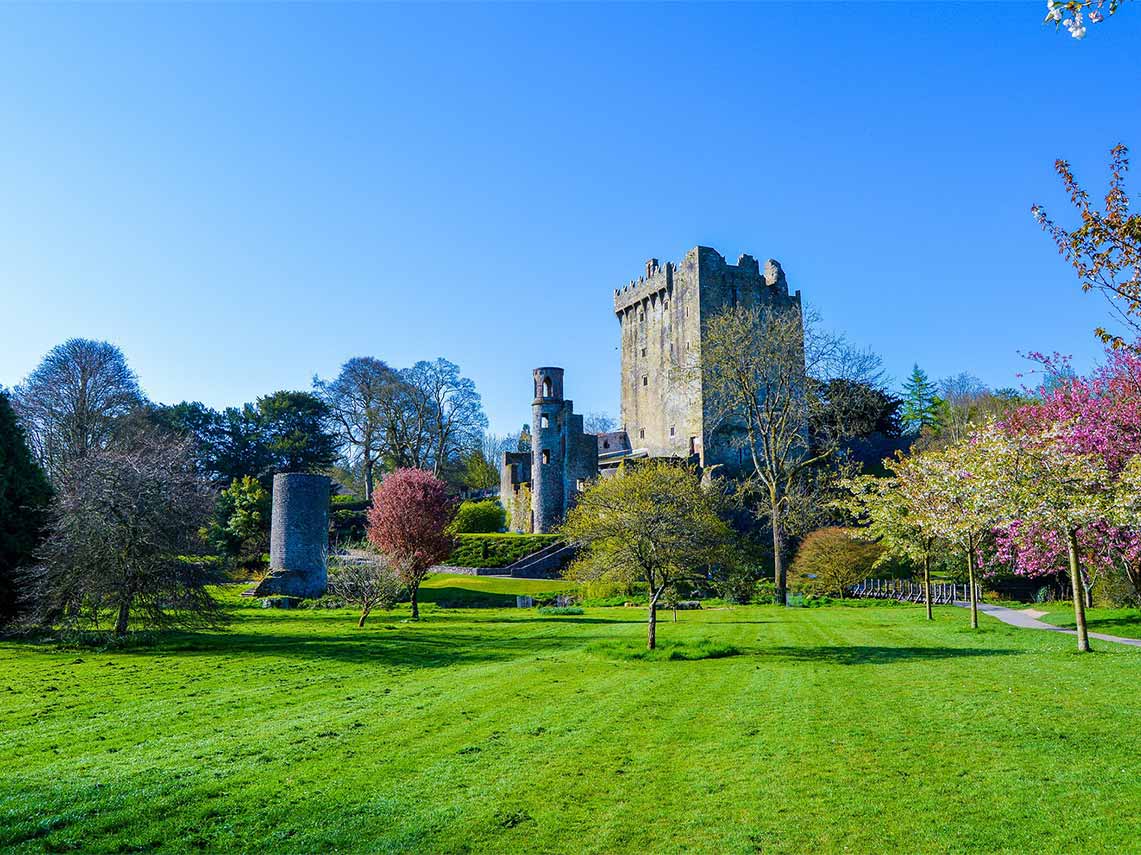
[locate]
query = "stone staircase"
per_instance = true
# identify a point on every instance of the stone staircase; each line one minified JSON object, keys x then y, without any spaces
{"x":547,"y":563}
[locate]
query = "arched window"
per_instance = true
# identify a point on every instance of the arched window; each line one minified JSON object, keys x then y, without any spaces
{"x":546,"y":387}
{"x":546,"y":456}
{"x":544,"y":422}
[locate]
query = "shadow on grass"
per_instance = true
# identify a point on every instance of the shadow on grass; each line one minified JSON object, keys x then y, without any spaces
{"x":867,"y":654}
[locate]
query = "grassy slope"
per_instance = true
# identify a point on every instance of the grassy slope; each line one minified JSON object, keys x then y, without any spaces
{"x":1123,"y":622}
{"x":504,"y":730}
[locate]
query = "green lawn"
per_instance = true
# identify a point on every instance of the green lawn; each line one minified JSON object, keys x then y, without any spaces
{"x":502,"y":730}
{"x":1122,"y":622}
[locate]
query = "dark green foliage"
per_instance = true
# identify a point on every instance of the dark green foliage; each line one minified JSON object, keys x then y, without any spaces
{"x":561,"y":610}
{"x":496,"y":550}
{"x":283,"y":432}
{"x":24,"y":495}
{"x":241,"y":522}
{"x":484,"y":517}
{"x":920,"y":403}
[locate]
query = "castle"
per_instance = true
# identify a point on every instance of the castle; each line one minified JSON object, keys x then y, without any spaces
{"x":664,"y":411}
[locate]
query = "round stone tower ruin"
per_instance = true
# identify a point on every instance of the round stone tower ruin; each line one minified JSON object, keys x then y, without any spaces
{"x":548,"y":450}
{"x":299,"y":537}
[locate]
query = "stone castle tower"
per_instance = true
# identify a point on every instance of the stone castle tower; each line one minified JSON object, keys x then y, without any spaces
{"x":662,"y":317}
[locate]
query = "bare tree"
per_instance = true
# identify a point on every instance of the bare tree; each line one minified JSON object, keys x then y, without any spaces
{"x":70,"y":405}
{"x":451,"y":408}
{"x":124,"y":536}
{"x":768,"y":377}
{"x":599,"y":422}
{"x":359,"y":399}
{"x":368,"y":582}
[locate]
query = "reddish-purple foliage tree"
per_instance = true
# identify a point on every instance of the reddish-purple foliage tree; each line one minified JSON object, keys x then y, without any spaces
{"x":1098,"y":415}
{"x":408,"y":522}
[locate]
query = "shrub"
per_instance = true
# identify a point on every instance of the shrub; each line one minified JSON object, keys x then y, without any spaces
{"x":560,"y":610}
{"x":496,"y":550}
{"x":482,"y":517}
{"x":830,"y":560}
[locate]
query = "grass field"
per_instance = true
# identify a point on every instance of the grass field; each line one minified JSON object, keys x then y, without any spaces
{"x":502,"y":730}
{"x":1125,"y":623}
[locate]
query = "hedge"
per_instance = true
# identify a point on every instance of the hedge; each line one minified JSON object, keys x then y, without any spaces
{"x":496,"y":550}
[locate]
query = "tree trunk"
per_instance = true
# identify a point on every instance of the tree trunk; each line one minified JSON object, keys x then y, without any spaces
{"x":652,"y":627}
{"x":364,"y":616}
{"x":1079,"y":598}
{"x":367,"y":479}
{"x":971,"y":583}
{"x":927,"y":584}
{"x":124,"y":616}
{"x":415,"y":590}
{"x":780,"y":575}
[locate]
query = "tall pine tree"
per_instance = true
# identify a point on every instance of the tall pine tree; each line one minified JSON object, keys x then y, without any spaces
{"x":920,"y":403}
{"x":24,"y":495}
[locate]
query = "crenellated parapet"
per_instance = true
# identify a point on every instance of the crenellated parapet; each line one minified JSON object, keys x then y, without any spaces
{"x":656,"y":283}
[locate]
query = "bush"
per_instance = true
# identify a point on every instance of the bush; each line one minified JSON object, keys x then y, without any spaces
{"x":496,"y":550}
{"x":561,"y":610}
{"x":482,"y":517}
{"x":339,"y":502}
{"x":831,"y":559}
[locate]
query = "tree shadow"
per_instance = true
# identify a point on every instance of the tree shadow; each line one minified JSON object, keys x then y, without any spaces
{"x":866,"y":654}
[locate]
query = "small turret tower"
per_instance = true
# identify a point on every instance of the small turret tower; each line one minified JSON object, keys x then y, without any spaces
{"x":548,"y":450}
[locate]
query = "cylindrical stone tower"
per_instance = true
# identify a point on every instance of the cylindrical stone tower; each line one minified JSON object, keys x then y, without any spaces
{"x":299,"y":537}
{"x":548,"y":450}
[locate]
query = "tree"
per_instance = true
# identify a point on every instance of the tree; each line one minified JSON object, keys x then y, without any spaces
{"x":920,"y":403}
{"x":124,"y":540}
{"x":24,"y":497}
{"x":951,"y":493}
{"x":882,"y":507}
{"x":1072,"y":15}
{"x":370,"y":583}
{"x":960,"y":399}
{"x":455,"y":416}
{"x":480,"y":473}
{"x":831,"y":560}
{"x":1105,"y":250}
{"x":598,"y":422}
{"x":241,"y":524}
{"x":360,"y":401}
{"x":408,"y":522}
{"x":651,"y":523}
{"x":767,"y":373}
{"x":69,"y":406}
{"x":294,"y":430}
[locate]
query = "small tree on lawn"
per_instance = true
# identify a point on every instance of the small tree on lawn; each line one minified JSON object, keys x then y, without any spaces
{"x":651,"y":523}
{"x":882,"y":508}
{"x":370,"y":583}
{"x":951,"y":492}
{"x":408,"y":522}
{"x":831,"y":560}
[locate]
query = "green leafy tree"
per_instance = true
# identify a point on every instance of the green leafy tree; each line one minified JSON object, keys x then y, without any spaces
{"x":831,"y":560}
{"x":24,"y":496}
{"x":240,"y":528}
{"x":920,"y":403}
{"x":652,"y":523}
{"x":294,"y":429}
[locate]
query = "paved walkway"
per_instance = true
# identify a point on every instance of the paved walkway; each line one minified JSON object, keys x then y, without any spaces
{"x":1028,"y":619}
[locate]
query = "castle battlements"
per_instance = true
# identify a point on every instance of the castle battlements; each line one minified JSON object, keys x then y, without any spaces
{"x":656,"y":280}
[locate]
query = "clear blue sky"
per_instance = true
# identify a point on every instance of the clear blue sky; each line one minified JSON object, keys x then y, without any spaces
{"x":242,"y":196}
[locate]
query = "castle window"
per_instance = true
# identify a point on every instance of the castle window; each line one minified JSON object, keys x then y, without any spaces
{"x":671,"y":430}
{"x":687,"y":311}
{"x":546,"y":456}
{"x":546,"y":387}
{"x":544,"y":422}
{"x":643,"y":351}
{"x":645,"y":380}
{"x":641,"y":316}
{"x":641,"y":433}
{"x":606,"y":443}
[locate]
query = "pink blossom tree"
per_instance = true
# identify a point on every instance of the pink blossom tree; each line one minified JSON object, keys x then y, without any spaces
{"x":408,"y":522}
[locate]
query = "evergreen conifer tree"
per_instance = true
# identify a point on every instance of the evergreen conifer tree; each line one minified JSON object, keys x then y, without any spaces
{"x":920,"y":403}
